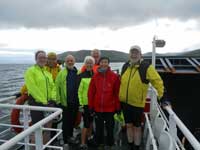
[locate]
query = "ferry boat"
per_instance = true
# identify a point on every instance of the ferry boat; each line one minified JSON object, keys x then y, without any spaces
{"x":161,"y":127}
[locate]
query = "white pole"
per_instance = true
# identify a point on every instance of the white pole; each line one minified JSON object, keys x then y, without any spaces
{"x":39,"y":139}
{"x":154,"y":51}
{"x":26,"y":126}
{"x":151,"y":136}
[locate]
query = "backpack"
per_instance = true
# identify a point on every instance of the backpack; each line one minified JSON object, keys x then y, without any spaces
{"x":142,"y":70}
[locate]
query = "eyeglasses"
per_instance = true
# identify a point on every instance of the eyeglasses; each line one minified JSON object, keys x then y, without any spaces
{"x":41,"y":57}
{"x":53,"y":59}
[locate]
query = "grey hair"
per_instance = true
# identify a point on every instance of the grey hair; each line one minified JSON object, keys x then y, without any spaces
{"x":68,"y":56}
{"x":89,"y":58}
{"x":97,"y":50}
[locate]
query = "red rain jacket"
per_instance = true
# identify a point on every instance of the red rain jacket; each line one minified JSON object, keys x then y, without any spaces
{"x":103,"y":93}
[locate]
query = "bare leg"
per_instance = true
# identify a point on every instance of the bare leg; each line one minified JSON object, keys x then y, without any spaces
{"x":83,"y":135}
{"x":137,"y":135}
{"x":129,"y":132}
{"x":47,"y":134}
{"x":89,"y":131}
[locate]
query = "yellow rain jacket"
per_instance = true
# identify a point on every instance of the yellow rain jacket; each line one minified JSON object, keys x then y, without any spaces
{"x":40,"y":85}
{"x":53,"y":70}
{"x":133,"y":91}
{"x":23,"y":90}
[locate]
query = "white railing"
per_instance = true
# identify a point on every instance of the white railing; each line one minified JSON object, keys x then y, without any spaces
{"x":175,"y":121}
{"x":172,"y":123}
{"x":148,"y":135}
{"x":35,"y":129}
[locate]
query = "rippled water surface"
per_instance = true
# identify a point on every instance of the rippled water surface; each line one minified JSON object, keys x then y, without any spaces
{"x":12,"y":77}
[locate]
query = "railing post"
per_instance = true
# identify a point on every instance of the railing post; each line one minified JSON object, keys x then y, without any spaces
{"x":153,"y":96}
{"x":154,"y":51}
{"x":39,"y":139}
{"x":26,"y":125}
{"x":172,"y":126}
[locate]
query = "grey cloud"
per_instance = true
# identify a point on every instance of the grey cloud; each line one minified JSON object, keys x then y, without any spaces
{"x":92,"y":13}
{"x":3,"y":45}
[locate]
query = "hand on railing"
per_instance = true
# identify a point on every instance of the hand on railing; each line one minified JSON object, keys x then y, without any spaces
{"x":51,"y":103}
{"x":165,"y":102}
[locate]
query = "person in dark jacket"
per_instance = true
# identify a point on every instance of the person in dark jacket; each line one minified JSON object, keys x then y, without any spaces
{"x":104,"y":100}
{"x":84,"y":82}
{"x":67,"y":96}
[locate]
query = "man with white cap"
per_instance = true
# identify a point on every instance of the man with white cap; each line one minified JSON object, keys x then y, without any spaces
{"x":135,"y":78}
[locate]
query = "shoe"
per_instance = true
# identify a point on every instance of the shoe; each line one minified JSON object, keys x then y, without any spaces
{"x":72,"y":140}
{"x":66,"y":147}
{"x":83,"y":147}
{"x":108,"y":148}
{"x":136,"y":147}
{"x":91,"y":142}
{"x":100,"y":147}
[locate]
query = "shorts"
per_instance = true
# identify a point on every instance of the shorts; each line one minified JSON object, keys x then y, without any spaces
{"x":132,"y":114}
{"x":87,"y":118}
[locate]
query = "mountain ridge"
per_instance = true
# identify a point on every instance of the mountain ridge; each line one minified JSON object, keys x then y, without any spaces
{"x":119,"y":56}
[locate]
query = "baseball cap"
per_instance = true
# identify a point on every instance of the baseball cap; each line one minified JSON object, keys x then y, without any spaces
{"x":51,"y":55}
{"x":135,"y":47}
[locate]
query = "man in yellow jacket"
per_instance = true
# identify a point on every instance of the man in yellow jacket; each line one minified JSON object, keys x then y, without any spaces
{"x":135,"y":78}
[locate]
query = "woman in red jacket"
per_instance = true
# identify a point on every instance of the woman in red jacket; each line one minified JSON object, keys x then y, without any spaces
{"x":104,"y":101}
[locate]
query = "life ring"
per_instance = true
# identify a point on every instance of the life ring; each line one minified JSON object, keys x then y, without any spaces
{"x":15,"y":114}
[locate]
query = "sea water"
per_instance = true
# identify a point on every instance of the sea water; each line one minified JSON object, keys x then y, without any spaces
{"x":12,"y":76}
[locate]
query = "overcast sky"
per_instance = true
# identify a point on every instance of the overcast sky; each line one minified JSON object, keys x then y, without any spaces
{"x":61,"y":25}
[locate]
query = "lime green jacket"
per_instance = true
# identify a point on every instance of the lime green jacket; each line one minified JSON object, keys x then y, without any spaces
{"x":133,"y":91}
{"x":83,"y":91}
{"x":40,"y":84}
{"x":61,"y":86}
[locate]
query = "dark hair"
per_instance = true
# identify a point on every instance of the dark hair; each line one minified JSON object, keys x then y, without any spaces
{"x":106,"y":58}
{"x":37,"y":53}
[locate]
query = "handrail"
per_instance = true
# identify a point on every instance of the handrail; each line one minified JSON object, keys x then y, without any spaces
{"x":33,"y":128}
{"x":176,"y":140}
{"x":193,"y":141}
{"x":150,"y":132}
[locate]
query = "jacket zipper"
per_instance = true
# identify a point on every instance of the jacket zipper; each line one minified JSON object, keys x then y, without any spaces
{"x":129,"y":83}
{"x":46,"y":83}
{"x":102,"y":93}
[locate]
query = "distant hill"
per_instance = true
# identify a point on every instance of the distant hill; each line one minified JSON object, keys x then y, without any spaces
{"x":165,"y":54}
{"x":192,"y":53}
{"x":115,"y":56}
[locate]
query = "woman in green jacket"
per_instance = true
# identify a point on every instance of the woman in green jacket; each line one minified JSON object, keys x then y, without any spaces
{"x":40,"y":86}
{"x":84,"y":80}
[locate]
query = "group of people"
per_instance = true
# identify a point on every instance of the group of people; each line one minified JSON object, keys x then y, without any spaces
{"x":95,"y":91}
